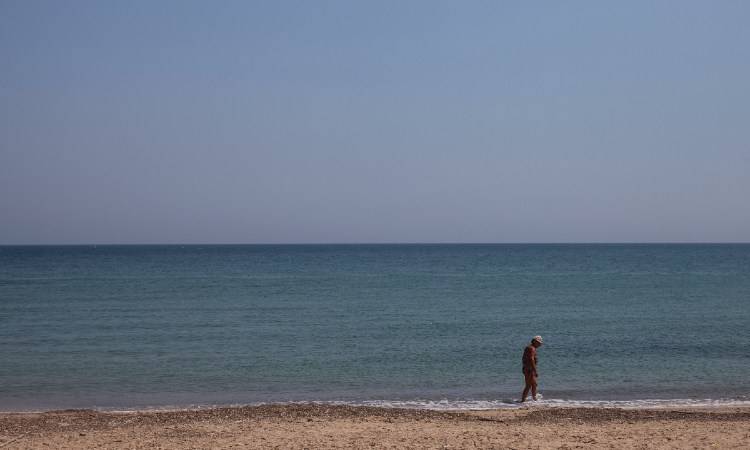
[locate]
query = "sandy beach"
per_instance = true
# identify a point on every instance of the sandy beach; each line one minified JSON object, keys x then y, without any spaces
{"x":325,"y":426}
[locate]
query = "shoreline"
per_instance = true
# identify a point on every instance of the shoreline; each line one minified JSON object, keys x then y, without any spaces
{"x":325,"y":426}
{"x":418,"y":405}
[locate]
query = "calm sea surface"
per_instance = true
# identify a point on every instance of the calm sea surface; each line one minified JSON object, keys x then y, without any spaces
{"x":422,"y":325}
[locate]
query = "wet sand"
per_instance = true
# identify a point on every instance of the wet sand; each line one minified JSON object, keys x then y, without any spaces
{"x":325,"y":426}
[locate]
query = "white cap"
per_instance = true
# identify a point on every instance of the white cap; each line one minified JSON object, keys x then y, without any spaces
{"x":538,"y":339}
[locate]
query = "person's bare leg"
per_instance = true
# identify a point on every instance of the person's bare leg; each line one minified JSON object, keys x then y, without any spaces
{"x":525,"y":392}
{"x":530,"y":384}
{"x":533,"y":390}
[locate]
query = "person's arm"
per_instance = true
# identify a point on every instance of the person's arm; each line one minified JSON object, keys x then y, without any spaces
{"x":533,"y":363}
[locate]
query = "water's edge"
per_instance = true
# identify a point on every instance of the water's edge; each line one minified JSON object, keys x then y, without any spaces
{"x":431,"y":405}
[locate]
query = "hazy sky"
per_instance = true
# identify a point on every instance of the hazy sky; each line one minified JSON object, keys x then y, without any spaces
{"x":348,"y":121}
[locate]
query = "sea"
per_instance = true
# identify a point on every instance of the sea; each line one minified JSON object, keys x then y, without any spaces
{"x":122,"y":327}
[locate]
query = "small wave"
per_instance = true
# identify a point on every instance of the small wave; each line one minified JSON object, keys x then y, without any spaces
{"x":476,"y":405}
{"x":442,"y":405}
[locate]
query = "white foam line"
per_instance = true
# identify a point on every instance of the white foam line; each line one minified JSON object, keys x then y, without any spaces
{"x":457,"y":405}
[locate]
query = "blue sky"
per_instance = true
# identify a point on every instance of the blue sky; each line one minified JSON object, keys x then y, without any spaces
{"x":280,"y":122}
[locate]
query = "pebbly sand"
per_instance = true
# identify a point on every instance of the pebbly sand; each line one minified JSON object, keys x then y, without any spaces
{"x":324,"y":426}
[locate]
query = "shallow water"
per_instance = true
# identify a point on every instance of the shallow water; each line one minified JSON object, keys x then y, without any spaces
{"x":139,"y":326}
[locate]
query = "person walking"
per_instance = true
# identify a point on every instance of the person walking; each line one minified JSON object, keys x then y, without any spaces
{"x":530,"y":372}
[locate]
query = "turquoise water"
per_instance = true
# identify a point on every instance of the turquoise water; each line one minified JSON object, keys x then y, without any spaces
{"x":145,"y":326}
